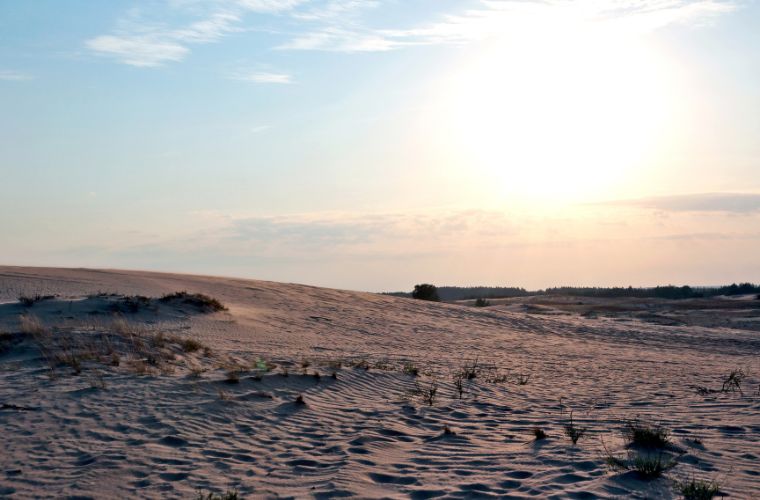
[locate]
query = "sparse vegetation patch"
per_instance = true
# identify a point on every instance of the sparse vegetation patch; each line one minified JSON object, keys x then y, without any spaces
{"x":30,"y":300}
{"x":197,"y":300}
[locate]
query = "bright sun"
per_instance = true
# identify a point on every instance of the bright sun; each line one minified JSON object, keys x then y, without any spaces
{"x":560,"y":113}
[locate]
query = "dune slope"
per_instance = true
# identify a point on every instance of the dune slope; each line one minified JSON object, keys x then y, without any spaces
{"x":168,"y":418}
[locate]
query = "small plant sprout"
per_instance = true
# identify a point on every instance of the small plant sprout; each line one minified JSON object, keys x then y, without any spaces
{"x":572,"y":431}
{"x":300,"y":400}
{"x":459,"y":383}
{"x":471,"y":371}
{"x":426,"y":393}
{"x":523,"y":378}
{"x":733,"y":382}
{"x":538,"y":433}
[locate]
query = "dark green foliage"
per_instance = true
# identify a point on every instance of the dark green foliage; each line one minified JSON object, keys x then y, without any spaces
{"x":426,"y":291}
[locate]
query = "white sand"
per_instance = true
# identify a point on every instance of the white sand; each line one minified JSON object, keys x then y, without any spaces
{"x":365,"y":434}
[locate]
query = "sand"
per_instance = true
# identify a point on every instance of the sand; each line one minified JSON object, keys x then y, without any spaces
{"x":171,"y":428}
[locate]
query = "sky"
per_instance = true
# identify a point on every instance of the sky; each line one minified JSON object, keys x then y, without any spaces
{"x":375,"y":144}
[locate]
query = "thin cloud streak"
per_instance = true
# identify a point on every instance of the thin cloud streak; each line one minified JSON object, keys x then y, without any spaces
{"x":264,"y":77}
{"x":14,"y":76}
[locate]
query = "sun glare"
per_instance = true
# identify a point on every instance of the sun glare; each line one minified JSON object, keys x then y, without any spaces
{"x":560,"y":112}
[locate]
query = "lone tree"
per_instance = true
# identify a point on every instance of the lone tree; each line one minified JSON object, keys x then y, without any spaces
{"x":426,"y":292}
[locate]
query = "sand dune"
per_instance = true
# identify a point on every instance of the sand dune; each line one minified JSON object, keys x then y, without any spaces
{"x":171,"y":426}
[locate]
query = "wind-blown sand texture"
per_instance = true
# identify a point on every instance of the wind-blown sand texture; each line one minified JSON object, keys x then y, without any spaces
{"x":153,"y":428}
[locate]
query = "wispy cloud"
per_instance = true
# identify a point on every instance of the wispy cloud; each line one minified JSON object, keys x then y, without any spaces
{"x":344,"y":25}
{"x":151,"y":47}
{"x":496,"y":17}
{"x":700,"y":202}
{"x":14,"y":76}
{"x":263,"y":77}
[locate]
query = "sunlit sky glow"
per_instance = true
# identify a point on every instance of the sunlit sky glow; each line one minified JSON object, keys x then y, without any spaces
{"x":375,"y":144}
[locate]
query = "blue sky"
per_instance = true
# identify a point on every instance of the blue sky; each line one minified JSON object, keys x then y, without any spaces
{"x":376,"y":144}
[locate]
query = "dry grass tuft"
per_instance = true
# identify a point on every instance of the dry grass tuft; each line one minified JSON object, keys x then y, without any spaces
{"x":190,"y":345}
{"x":574,"y":432}
{"x":197,"y":300}
{"x":644,"y":435}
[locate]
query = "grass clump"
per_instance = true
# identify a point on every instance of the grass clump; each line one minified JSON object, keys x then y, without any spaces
{"x":522,"y":378}
{"x":646,"y":436}
{"x":197,"y":300}
{"x":411,"y":369}
{"x":645,"y":466}
{"x":697,"y":489}
{"x":471,"y":371}
{"x":481,"y":302}
{"x":190,"y":345}
{"x":228,"y":495}
{"x":538,"y":433}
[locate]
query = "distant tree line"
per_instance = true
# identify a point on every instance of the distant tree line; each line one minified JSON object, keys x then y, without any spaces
{"x":450,"y":293}
{"x":661,"y":292}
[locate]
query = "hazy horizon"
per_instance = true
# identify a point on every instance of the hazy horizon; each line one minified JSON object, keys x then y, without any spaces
{"x":372,"y":145}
